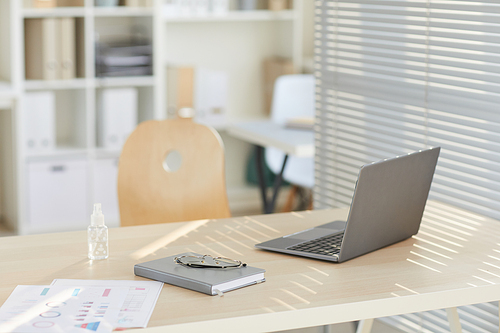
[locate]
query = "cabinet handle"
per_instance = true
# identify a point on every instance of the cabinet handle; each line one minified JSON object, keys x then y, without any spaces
{"x":58,"y":168}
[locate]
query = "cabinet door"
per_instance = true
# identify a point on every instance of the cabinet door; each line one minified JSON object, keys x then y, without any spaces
{"x":105,"y":189}
{"x":57,"y":195}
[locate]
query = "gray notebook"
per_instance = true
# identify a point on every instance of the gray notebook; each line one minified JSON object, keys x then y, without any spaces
{"x":205,"y":280}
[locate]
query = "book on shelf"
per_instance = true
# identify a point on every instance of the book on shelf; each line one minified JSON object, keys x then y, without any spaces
{"x":43,"y":3}
{"x":278,"y":5}
{"x":139,"y":3}
{"x":67,"y":47}
{"x":50,"y":48}
{"x":211,"y":281}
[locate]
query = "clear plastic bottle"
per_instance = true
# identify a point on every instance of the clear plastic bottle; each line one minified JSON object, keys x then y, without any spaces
{"x":97,"y":235}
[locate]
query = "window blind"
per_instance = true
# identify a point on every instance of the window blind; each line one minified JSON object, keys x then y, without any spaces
{"x":395,"y":76}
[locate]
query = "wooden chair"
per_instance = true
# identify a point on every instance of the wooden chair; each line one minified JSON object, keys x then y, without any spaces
{"x":150,"y":190}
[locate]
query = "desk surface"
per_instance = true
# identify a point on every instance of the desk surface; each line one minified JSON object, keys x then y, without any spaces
{"x":266,"y":133}
{"x":453,"y":261}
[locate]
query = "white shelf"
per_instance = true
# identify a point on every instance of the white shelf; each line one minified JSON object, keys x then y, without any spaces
{"x":55,"y":84}
{"x":125,"y":81}
{"x":235,"y":16}
{"x":121,"y":11}
{"x":54,"y":12}
{"x":66,"y":152}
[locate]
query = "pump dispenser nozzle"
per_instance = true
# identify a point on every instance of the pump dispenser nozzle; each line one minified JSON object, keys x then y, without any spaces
{"x":97,"y":218}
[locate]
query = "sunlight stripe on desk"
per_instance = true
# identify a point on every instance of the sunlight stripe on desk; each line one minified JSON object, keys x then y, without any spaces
{"x":407,"y":289}
{"x":425,"y":266}
{"x":232,"y":239}
{"x":296,"y":296}
{"x":261,"y":224}
{"x":277,"y":300}
{"x":168,"y":238}
{"x":304,"y":287}
{"x":319,"y":271}
{"x":424,"y":257}
{"x":431,"y":251}
{"x":310,"y":278}
{"x":241,"y":233}
{"x":223,"y":245}
{"x":208,"y":248}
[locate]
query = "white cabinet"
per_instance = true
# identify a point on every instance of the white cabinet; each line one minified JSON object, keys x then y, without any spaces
{"x":57,"y":195}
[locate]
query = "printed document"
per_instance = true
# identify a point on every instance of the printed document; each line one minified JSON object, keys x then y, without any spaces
{"x":62,"y":309}
{"x":138,"y":305}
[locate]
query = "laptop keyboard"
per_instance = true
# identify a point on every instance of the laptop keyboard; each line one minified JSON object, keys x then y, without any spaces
{"x":328,"y":245}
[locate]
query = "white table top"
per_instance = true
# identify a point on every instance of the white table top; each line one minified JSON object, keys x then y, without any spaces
{"x":266,"y":133}
{"x":454,"y":260}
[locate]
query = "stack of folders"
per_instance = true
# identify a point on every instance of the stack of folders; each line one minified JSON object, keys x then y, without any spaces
{"x":50,"y":45}
{"x":130,"y":56}
{"x":211,"y":281}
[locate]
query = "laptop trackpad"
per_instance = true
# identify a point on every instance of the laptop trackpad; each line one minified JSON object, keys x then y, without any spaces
{"x":320,"y":231}
{"x":310,"y":234}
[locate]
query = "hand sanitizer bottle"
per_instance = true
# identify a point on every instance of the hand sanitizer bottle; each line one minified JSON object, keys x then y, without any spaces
{"x":97,"y":235}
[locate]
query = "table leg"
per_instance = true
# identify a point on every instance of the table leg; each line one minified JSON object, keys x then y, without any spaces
{"x":454,"y":320}
{"x":365,"y":326}
{"x":268,"y":205}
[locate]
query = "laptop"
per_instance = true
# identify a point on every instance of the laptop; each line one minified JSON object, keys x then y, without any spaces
{"x":386,"y":208}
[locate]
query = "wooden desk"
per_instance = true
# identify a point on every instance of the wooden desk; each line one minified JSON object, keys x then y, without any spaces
{"x":266,"y":133}
{"x":453,"y":261}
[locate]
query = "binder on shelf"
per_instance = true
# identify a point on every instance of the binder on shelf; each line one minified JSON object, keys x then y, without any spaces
{"x":210,"y":281}
{"x":211,"y":93}
{"x":70,"y":3}
{"x":39,"y":120}
{"x":44,"y":3}
{"x":50,"y":45}
{"x":80,"y":47}
{"x":41,"y":47}
{"x":117,"y":116}
{"x":67,"y":47}
{"x":180,"y":89}
{"x":278,"y":4}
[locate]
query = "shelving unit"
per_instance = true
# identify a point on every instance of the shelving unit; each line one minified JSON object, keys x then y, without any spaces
{"x":235,"y":42}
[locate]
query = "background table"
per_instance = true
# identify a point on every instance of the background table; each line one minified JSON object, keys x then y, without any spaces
{"x":453,"y":261}
{"x":266,"y":133}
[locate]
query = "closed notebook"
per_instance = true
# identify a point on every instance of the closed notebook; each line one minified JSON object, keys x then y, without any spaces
{"x":205,"y":280}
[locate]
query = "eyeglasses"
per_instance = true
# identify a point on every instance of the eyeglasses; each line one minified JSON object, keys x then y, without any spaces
{"x":207,"y":261}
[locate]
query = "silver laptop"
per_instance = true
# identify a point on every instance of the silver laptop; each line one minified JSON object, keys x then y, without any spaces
{"x":387,"y":207}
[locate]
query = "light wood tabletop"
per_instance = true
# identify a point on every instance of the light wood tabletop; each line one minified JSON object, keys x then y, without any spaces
{"x":454,"y":260}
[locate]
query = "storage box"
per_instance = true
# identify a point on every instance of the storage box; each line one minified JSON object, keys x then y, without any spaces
{"x":39,"y":121}
{"x":57,"y":195}
{"x":117,"y":116}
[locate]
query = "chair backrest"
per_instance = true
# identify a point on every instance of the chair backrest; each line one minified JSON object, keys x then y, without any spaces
{"x":293,"y":97}
{"x":150,"y":190}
